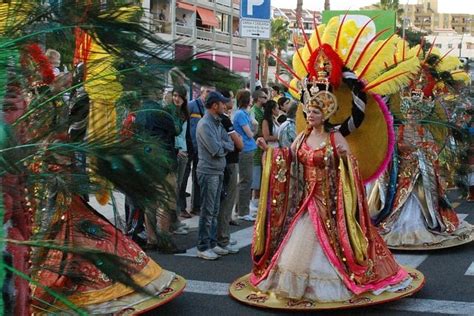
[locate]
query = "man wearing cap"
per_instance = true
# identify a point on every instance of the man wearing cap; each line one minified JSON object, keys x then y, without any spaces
{"x":196,"y":112}
{"x":213,"y":144}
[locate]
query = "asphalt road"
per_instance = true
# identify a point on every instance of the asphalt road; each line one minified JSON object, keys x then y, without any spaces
{"x":449,"y":288}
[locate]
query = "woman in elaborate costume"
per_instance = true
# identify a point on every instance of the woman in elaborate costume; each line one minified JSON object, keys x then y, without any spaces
{"x":409,"y":205}
{"x":314,"y":245}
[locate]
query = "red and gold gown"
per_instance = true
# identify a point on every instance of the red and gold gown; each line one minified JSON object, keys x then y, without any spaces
{"x":314,"y":238}
{"x":78,"y":279}
{"x":421,"y":214}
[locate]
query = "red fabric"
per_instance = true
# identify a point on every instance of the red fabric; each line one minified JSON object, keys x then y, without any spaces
{"x":70,"y":232}
{"x":378,"y":270}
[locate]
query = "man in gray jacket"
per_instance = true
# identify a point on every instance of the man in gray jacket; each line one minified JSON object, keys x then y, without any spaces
{"x":213,"y":145}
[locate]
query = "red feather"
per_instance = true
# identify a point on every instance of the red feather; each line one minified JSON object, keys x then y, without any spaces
{"x":354,"y":44}
{"x":38,"y":57}
{"x":336,"y":64}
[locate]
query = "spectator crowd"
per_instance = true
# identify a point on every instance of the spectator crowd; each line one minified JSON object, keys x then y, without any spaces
{"x":211,"y":139}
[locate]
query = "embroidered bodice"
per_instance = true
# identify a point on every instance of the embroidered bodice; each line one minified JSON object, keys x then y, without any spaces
{"x":314,"y":165}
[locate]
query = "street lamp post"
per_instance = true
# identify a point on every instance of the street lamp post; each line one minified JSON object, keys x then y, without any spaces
{"x":404,"y":24}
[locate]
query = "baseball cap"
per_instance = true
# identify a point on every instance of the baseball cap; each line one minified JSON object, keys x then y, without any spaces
{"x":215,"y":96}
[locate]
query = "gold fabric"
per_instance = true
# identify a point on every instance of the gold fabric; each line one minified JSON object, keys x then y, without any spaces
{"x":374,"y":201}
{"x":103,"y":89}
{"x":259,"y":245}
{"x":358,"y":241}
{"x":151,"y":272}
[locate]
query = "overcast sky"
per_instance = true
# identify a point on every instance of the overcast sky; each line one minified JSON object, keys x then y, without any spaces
{"x":444,"y":6}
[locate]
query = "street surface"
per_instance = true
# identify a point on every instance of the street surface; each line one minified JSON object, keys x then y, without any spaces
{"x":449,"y":288}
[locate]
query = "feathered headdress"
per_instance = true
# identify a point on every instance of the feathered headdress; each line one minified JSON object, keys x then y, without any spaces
{"x":342,"y":69}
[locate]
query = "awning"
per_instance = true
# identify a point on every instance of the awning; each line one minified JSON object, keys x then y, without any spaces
{"x":208,"y":17}
{"x":186,"y":6}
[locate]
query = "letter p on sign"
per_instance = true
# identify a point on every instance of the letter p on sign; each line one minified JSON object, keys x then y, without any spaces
{"x":251,"y":4}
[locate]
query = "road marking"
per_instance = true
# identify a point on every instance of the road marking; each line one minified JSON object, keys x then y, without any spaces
{"x":243,"y":238}
{"x":204,"y":287}
{"x":406,"y":304}
{"x":433,"y":306}
{"x":192,"y":222}
{"x":410,"y":260}
{"x":462,"y":216}
{"x":470,"y":270}
{"x":455,"y":204}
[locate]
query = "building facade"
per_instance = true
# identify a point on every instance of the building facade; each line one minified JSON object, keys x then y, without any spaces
{"x":424,"y":16}
{"x":205,"y":28}
{"x":308,"y":19}
{"x":453,"y":44}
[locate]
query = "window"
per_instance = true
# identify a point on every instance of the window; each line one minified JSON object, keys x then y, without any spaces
{"x":224,"y":20}
{"x":450,"y":45}
{"x":438,"y":45}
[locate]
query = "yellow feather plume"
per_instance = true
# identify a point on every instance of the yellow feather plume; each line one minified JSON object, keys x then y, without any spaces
{"x":448,"y":63}
{"x":348,"y":32}
{"x":435,"y":51}
{"x":298,"y":64}
{"x":384,"y":51}
{"x":404,"y":50}
{"x":391,"y":81}
{"x":461,"y":76}
{"x":330,"y":33}
{"x":313,"y":41}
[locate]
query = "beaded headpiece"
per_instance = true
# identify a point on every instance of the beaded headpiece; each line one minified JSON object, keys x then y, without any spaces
{"x":419,"y":97}
{"x":317,"y":87}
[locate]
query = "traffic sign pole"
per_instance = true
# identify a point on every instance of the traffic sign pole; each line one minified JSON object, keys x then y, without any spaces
{"x":255,"y":24}
{"x":253,"y":63}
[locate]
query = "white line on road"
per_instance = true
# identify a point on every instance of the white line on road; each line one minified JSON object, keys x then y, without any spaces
{"x":243,"y":238}
{"x":204,"y":287}
{"x":406,"y":304}
{"x":462,"y":216}
{"x":410,"y":260}
{"x":433,"y":306}
{"x":470,"y":270}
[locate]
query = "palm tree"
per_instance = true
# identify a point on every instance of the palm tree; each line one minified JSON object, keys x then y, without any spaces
{"x":299,"y":9}
{"x":280,"y":35}
{"x":280,"y":38}
{"x":327,"y":5}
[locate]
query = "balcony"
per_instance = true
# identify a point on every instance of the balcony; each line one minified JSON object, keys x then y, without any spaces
{"x":185,"y":31}
{"x":204,"y":35}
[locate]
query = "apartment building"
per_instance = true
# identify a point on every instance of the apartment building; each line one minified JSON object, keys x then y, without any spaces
{"x":290,"y":16}
{"x":453,"y":44}
{"x":207,"y":26}
{"x":307,"y":18}
{"x":424,"y":16}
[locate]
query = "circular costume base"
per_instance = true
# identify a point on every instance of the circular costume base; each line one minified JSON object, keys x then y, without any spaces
{"x":244,"y":292}
{"x":176,"y":288}
{"x":442,"y":245}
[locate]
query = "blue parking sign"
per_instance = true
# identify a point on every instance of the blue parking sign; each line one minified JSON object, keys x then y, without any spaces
{"x":255,"y":9}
